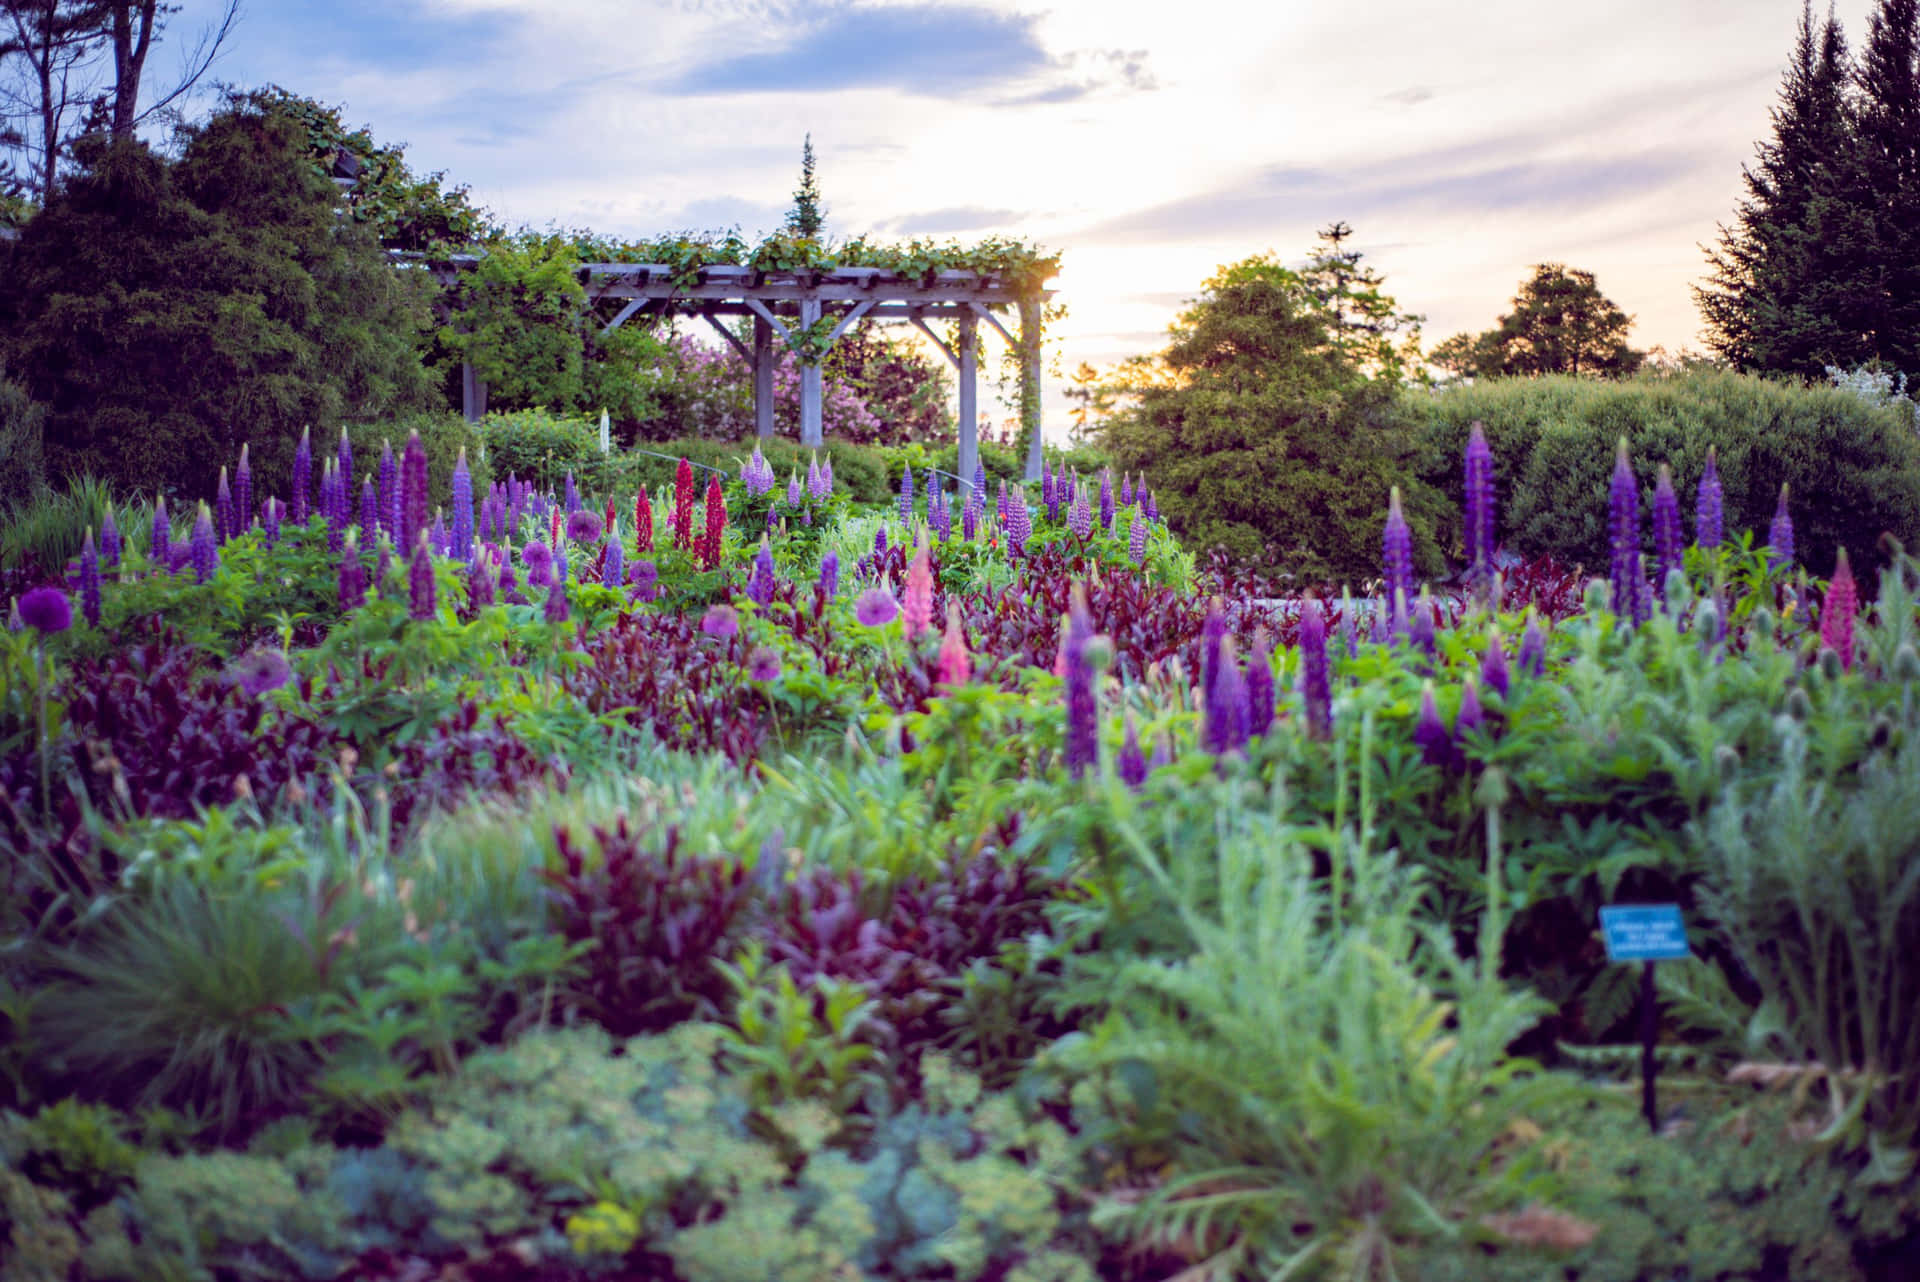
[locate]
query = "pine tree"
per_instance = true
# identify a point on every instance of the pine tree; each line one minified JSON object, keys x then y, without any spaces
{"x":1889,"y":170}
{"x":807,"y":218}
{"x":1364,"y":325}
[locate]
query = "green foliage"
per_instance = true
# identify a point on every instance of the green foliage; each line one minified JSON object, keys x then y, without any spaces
{"x":22,"y":441}
{"x":862,"y":473}
{"x":540,"y":447}
{"x":45,"y":529}
{"x":807,"y":219}
{"x":444,"y":434}
{"x":211,"y":301}
{"x":1362,"y":322}
{"x":1853,"y":469}
{"x":1560,"y":324}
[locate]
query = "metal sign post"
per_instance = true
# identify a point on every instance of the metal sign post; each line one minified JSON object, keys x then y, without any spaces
{"x":1646,"y":933}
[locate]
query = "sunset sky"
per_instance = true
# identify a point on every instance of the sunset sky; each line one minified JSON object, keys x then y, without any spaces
{"x":1149,"y":142}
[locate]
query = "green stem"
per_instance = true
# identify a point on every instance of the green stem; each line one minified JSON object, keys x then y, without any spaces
{"x":40,"y":683}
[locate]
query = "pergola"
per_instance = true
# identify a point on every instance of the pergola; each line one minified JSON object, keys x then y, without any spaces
{"x":791,"y":305}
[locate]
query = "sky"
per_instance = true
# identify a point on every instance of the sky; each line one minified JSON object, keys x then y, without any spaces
{"x":1147,"y":142}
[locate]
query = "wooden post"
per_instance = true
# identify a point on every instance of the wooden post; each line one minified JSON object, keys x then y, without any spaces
{"x":969,"y":411}
{"x":810,"y":392}
{"x":473,"y":393}
{"x":762,"y":377}
{"x":1030,"y":384}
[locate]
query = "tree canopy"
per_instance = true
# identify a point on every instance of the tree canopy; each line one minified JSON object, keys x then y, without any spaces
{"x":1560,"y":324}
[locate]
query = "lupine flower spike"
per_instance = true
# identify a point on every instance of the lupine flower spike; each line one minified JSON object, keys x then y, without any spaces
{"x":760,"y":581}
{"x":642,"y":522}
{"x":1532,"y":658}
{"x":1083,"y":715}
{"x":1226,"y":706}
{"x":162,"y":533}
{"x":1666,"y":533}
{"x":1493,"y":667}
{"x":206,"y":549}
{"x":420,"y":602}
{"x":413,"y":490}
{"x":462,"y":509}
{"x":954,"y":665}
{"x":389,"y":474}
{"x":369,"y":509}
{"x":612,"y":569}
{"x":1316,"y":684}
{"x":242,"y":495}
{"x":1131,"y":764}
{"x":353,"y":579}
{"x":1837,"y":612}
{"x":1430,"y":734}
{"x":1397,"y":544}
{"x":223,"y":510}
{"x":1780,"y":535}
{"x":1260,"y":693}
{"x":917,"y":608}
{"x":1623,"y":505}
{"x":109,"y":541}
{"x":716,"y":524}
{"x":906,"y":492}
{"x":90,"y":580}
{"x":1479,"y":506}
{"x":556,"y":610}
{"x":1707,"y":517}
{"x":302,"y":476}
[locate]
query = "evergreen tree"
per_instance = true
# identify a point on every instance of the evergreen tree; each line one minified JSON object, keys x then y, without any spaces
{"x":1560,"y":324}
{"x":1362,"y":323}
{"x":1793,"y":281}
{"x":1889,"y":180}
{"x":808,"y":217}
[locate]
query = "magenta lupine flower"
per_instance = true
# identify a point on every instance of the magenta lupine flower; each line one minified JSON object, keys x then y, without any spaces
{"x":1493,"y":666}
{"x":906,"y":492}
{"x":1479,"y":504}
{"x":1106,"y":498}
{"x":1227,"y":705}
{"x":413,"y":490}
{"x":583,"y":527}
{"x":270,"y":521}
{"x":1838,"y":610}
{"x":420,"y":602}
{"x":242,"y":496}
{"x":90,"y":580}
{"x":1532,"y":658}
{"x":222,"y":510}
{"x":370,"y":510}
{"x":343,"y":457}
{"x":1430,"y":734}
{"x":1397,"y":544}
{"x":353,"y":579}
{"x":1666,"y":532}
{"x":876,"y":607}
{"x":206,"y":549}
{"x":480,"y":586}
{"x":1316,"y":682}
{"x":644,"y":578}
{"x":1707,"y":517}
{"x":763,"y":663}
{"x":829,"y":582}
{"x":760,"y":580}
{"x":302,"y":475}
{"x":1260,"y":692}
{"x":1083,"y":710}
{"x":162,"y":533}
{"x":1137,"y":538}
{"x":462,"y":508}
{"x":1780,"y":535}
{"x":1420,"y":628}
{"x":261,"y":671}
{"x":557,"y":610}
{"x":1623,"y":524}
{"x":954,"y":666}
{"x":1080,"y":516}
{"x":916,"y":609}
{"x":1131,"y":764}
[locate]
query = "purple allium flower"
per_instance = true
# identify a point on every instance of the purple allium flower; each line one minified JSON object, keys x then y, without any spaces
{"x":462,"y":508}
{"x":1227,"y":705}
{"x":1397,"y":543}
{"x":760,"y":581}
{"x":90,"y":581}
{"x":109,"y":540}
{"x":1623,"y":526}
{"x":829,"y":583}
{"x":353,"y":579}
{"x":1479,"y":503}
{"x":1131,"y":764}
{"x":573,"y":493}
{"x":369,"y":510}
{"x":261,"y":671}
{"x":1316,"y":684}
{"x":612,"y":566}
{"x":242,"y":496}
{"x":763,"y":663}
{"x":1666,"y":531}
{"x":876,"y":607}
{"x":720,"y":621}
{"x":413,"y":490}
{"x":1430,"y":734}
{"x":1493,"y":666}
{"x":1137,"y":538}
{"x":906,"y":492}
{"x":1707,"y":519}
{"x":583,"y":527}
{"x":556,"y":610}
{"x":1532,"y":658}
{"x":420,"y":594}
{"x":302,"y":475}
{"x":1260,"y":692}
{"x":1780,"y":535}
{"x":1106,"y":498}
{"x":1080,"y":516}
{"x":1083,"y":710}
{"x":1420,"y":628}
{"x":206,"y":549}
{"x":388,"y":505}
{"x":222,"y":510}
{"x":45,"y":609}
{"x":538,"y":558}
{"x":480,"y":585}
{"x":644,"y":577}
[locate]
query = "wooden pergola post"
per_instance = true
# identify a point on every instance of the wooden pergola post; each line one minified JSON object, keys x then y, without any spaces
{"x":763,"y":359}
{"x":1030,"y":384}
{"x":811,"y":433}
{"x":969,"y":405}
{"x":473,"y":393}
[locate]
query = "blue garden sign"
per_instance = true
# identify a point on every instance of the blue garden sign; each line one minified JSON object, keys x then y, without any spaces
{"x":1644,"y":932}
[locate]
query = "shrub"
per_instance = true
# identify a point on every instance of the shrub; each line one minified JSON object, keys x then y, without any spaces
{"x":541,"y":447}
{"x":22,"y":426}
{"x":861,"y":472}
{"x":1854,"y":468}
{"x":444,"y":434}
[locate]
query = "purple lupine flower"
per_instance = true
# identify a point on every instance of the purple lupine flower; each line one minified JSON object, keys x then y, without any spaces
{"x":1316,"y":683}
{"x":611,"y":568}
{"x":382,"y":567}
{"x":1083,"y":711}
{"x":538,"y":558}
{"x":413,"y":490}
{"x":1623,"y":505}
{"x":343,"y":457}
{"x":1666,"y":532}
{"x":1137,"y":538}
{"x":1153,"y":507}
{"x":979,"y":485}
{"x":179,"y":555}
{"x":829,"y":582}
{"x":1471,"y":715}
{"x":44,"y":609}
{"x":90,"y":580}
{"x":1106,"y":498}
{"x":1479,"y":504}
{"x":560,"y":570}
{"x":420,"y":602}
{"x":222,"y":510}
{"x":1532,"y":658}
{"x":1019,"y":523}
{"x":1162,"y":753}
{"x":906,"y":492}
{"x":1493,"y":666}
{"x":1430,"y":734}
{"x":387,"y":475}
{"x":1226,"y":705}
{"x":206,"y":548}
{"x":760,"y":581}
{"x":573,"y":492}
{"x":353,"y":579}
{"x":1379,"y":632}
{"x":942,"y":517}
{"x":1046,"y":484}
{"x":793,"y":490}
{"x":1260,"y":694}
{"x":969,"y":519}
{"x":270,"y":521}
{"x":1780,"y":535}
{"x":462,"y":508}
{"x":302,"y":475}
{"x":1126,"y":489}
{"x":644,"y":578}
{"x":826,"y":478}
{"x":162,"y":532}
{"x":1053,"y":490}
{"x":1000,"y":506}
{"x":876,"y":607}
{"x":1080,"y":516}
{"x":1213,"y":632}
{"x":369,"y":510}
{"x":1397,"y":544}
{"x":557,"y":610}
{"x":440,"y":538}
{"x":816,"y":488}
{"x":1399,"y":622}
{"x":242,"y":496}
{"x":1420,"y":628}
{"x":583,"y":527}
{"x":1131,"y":764}
{"x":880,"y":540}
{"x":261,"y":671}
{"x":109,"y":541}
{"x":480,"y":585}
{"x":1707,"y":518}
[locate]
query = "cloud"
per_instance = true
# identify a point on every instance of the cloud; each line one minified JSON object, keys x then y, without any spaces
{"x":1097,"y":71}
{"x":957,"y":218}
{"x":1411,"y":96}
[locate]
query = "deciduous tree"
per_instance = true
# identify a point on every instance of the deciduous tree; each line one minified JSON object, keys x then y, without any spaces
{"x":1560,"y":324}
